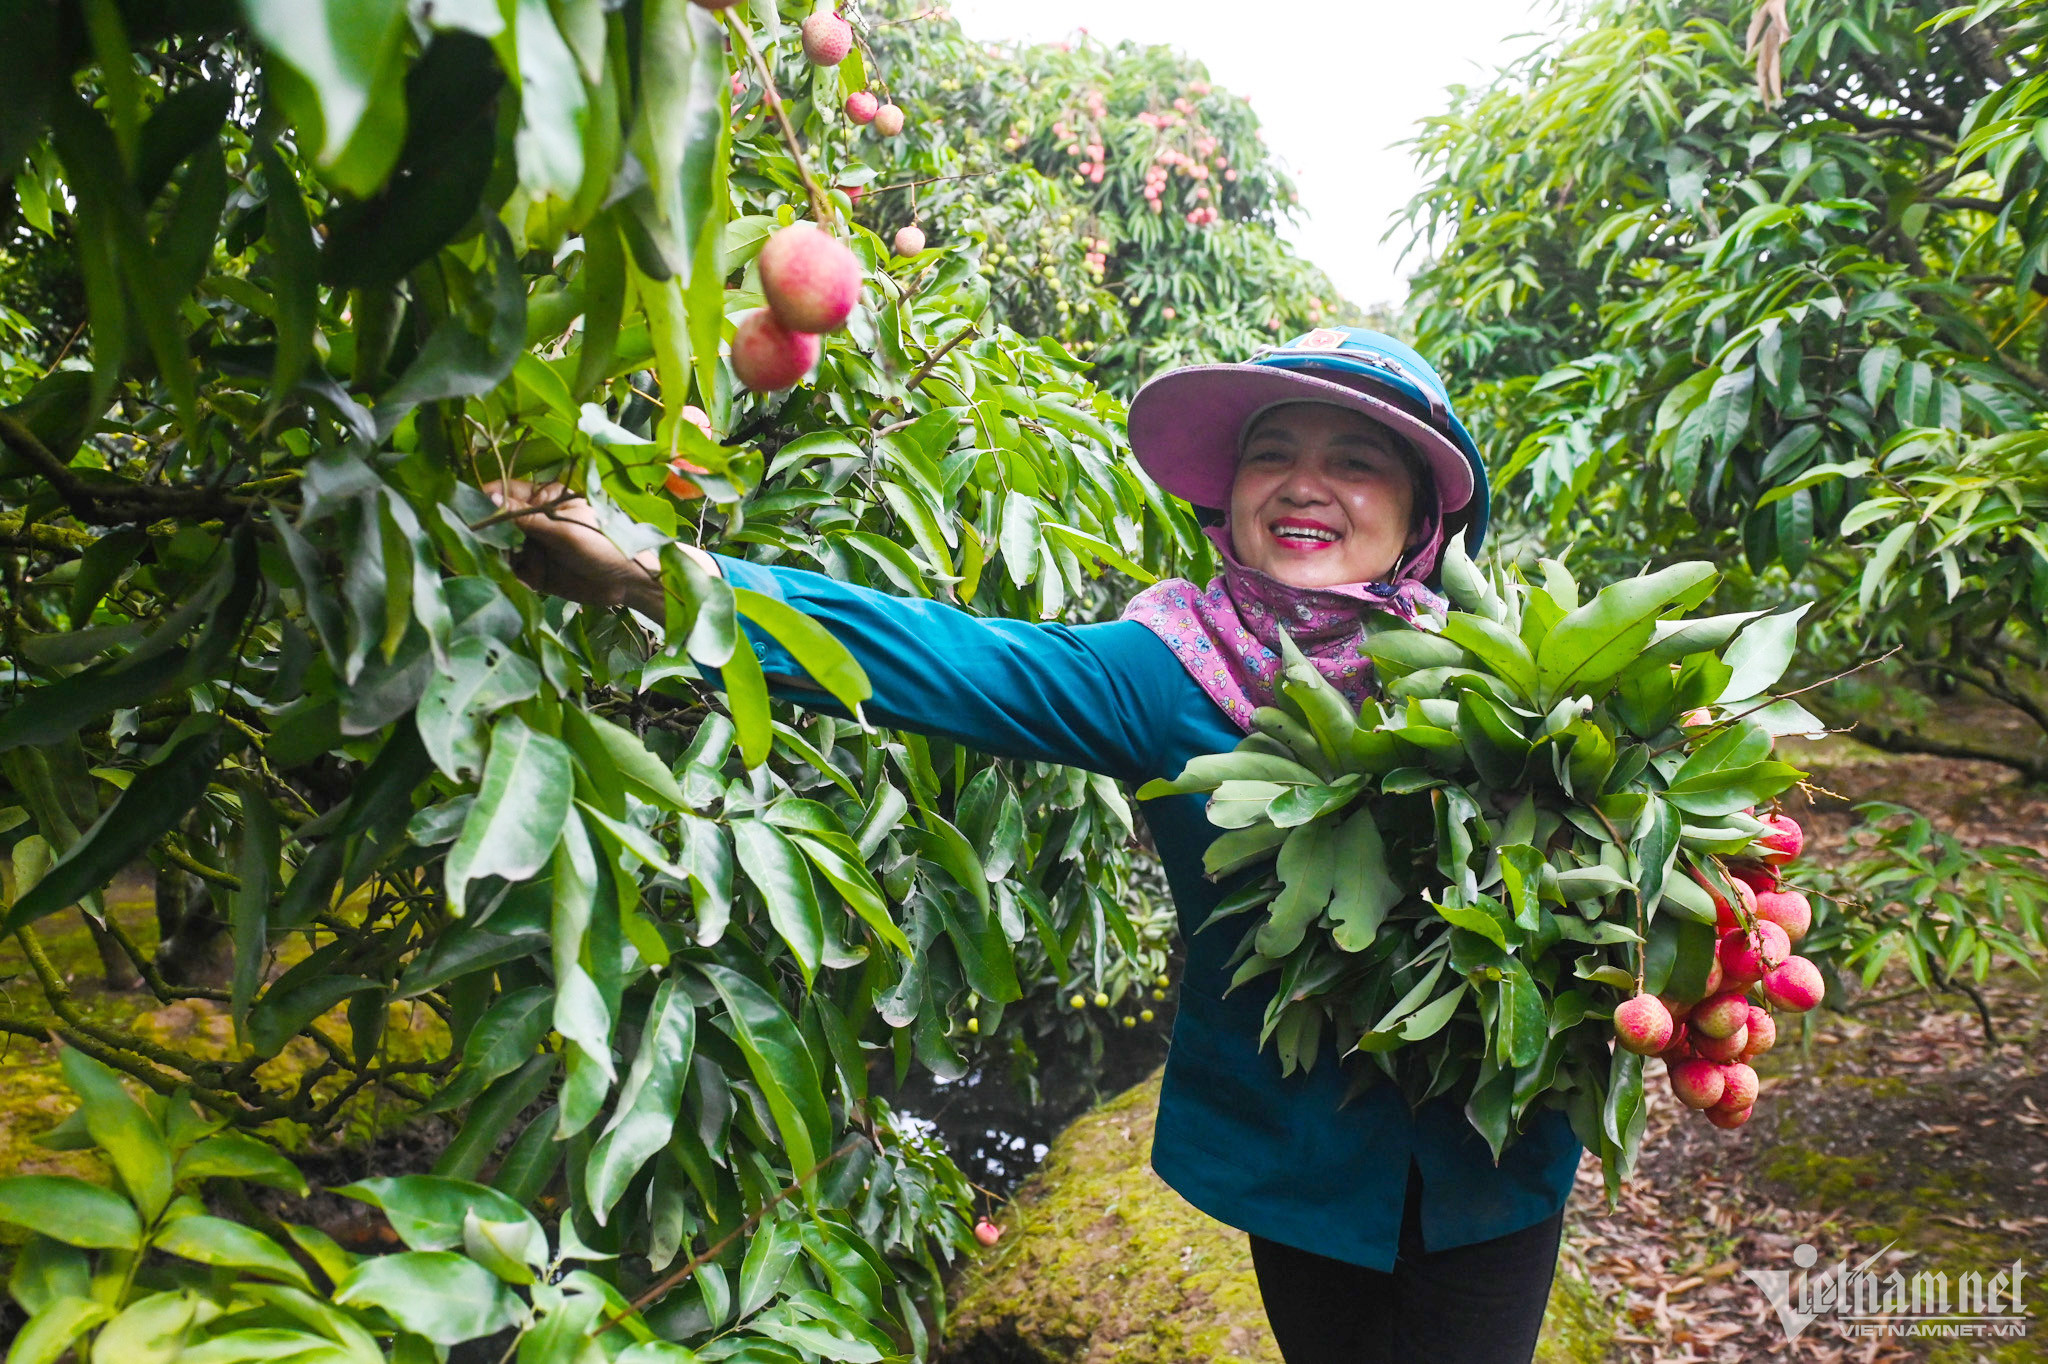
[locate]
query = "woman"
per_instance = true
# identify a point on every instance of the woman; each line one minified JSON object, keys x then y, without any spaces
{"x":1377,"y":1233}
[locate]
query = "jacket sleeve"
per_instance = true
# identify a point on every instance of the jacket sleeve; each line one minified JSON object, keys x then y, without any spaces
{"x":1093,"y":696}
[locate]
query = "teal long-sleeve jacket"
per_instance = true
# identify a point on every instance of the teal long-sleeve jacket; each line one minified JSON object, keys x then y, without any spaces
{"x":1279,"y":1157}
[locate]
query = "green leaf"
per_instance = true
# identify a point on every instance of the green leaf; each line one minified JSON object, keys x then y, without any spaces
{"x":780,"y":1064}
{"x":1363,"y":889}
{"x":70,"y":1210}
{"x":1496,"y":646}
{"x":1598,"y":640}
{"x":519,"y":812}
{"x":154,"y":802}
{"x":122,"y":1128}
{"x":441,"y":1296}
{"x":646,"y":775}
{"x":648,"y":1101}
{"x":811,"y":644}
{"x":779,"y":872}
{"x":1308,"y":878}
{"x":50,"y":1333}
{"x":1760,"y":655}
{"x":552,"y":105}
{"x":235,"y":1155}
{"x":230,"y":1245}
{"x":339,"y":57}
{"x":427,"y":1210}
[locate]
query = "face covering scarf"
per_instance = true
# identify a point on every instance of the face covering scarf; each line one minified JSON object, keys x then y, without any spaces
{"x":1228,"y":635}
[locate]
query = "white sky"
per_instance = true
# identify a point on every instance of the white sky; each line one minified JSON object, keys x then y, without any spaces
{"x":1334,"y":82}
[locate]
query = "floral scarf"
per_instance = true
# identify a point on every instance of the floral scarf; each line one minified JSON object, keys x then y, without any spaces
{"x":1228,"y":635}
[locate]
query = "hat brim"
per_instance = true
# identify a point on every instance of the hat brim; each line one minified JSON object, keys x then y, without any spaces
{"x":1185,"y":426}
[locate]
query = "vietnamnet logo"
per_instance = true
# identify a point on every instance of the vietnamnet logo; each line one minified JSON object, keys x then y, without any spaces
{"x":1868,"y":1302}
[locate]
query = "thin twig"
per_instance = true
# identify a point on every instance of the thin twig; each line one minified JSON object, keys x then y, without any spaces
{"x":924,"y":371}
{"x":821,"y":203}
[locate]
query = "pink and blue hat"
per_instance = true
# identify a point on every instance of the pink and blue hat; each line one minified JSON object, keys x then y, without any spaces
{"x":1187,"y":426}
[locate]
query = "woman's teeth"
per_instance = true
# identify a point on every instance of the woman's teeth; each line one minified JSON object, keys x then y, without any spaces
{"x":1324,"y":537}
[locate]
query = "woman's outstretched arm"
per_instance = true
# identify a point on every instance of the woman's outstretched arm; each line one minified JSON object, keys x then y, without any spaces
{"x":1096,"y":696}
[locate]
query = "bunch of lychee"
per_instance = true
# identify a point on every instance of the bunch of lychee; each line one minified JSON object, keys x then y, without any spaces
{"x":811,"y":281}
{"x":1708,"y":1042}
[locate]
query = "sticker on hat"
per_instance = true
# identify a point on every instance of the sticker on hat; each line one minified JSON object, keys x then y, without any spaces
{"x":1322,"y":338}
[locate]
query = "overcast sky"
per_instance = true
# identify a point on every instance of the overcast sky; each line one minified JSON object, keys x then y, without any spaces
{"x":1335,"y":84}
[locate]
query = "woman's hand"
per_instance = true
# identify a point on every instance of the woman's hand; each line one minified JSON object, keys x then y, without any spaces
{"x":566,"y":555}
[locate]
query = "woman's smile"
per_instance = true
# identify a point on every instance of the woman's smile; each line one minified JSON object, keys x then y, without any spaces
{"x":1322,"y":497}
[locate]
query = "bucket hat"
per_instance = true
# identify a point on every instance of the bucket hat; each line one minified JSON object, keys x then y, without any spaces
{"x":1187,"y":426}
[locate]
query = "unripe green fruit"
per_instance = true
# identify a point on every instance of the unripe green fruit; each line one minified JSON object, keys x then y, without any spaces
{"x":1163,"y":982}
{"x":1129,"y":1022}
{"x":974,"y":1025}
{"x":1145,"y":1015}
{"x":1078,"y":1001}
{"x":1101,"y":1000}
{"x":1159,"y":994}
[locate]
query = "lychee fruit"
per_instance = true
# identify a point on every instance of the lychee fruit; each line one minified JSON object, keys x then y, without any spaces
{"x":1781,"y":839}
{"x":909,"y":240}
{"x":1739,"y":1086}
{"x":1795,"y":985}
{"x":888,"y":120}
{"x":987,"y":1232}
{"x":1679,"y":1009}
{"x":861,"y":106}
{"x":1694,"y":718}
{"x":811,"y":280}
{"x":1729,"y":1118}
{"x":1724,"y":1049}
{"x":827,"y":39}
{"x":1680,"y":1046}
{"x":1788,"y":909}
{"x":1727,"y":915}
{"x":1763,"y":1034}
{"x":1749,"y":955}
{"x":1642,"y":1025}
{"x":1698,"y":1084}
{"x":767,"y":356}
{"x":1719,"y":1016}
{"x":1755,"y":875}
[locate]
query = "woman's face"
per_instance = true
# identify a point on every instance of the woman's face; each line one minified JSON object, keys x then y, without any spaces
{"x":1320,"y":498}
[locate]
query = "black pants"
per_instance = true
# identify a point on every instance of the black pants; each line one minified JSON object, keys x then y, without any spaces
{"x":1476,"y":1304}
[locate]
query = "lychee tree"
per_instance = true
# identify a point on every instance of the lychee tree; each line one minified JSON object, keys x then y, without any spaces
{"x":1714,"y":286}
{"x":341,"y":263}
{"x":1118,"y":198}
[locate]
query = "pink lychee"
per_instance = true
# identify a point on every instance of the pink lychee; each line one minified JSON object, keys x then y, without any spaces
{"x":1739,"y":1089}
{"x":888,"y":120}
{"x":861,"y":106}
{"x":1642,"y":1025}
{"x":1724,"y":1049}
{"x":1763,"y":1034}
{"x":1788,"y":909}
{"x":1781,"y":839}
{"x":810,"y":279}
{"x":987,"y":1232}
{"x":1694,"y":718}
{"x":1719,"y":1016}
{"x":1729,"y":1118}
{"x":1698,"y":1084}
{"x":1680,"y":1046}
{"x":909,"y":240}
{"x":1755,"y":875}
{"x":1750,"y":955}
{"x":1795,"y":985}
{"x":827,"y":39}
{"x":767,"y":356}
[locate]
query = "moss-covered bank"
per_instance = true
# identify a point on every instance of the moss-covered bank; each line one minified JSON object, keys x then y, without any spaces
{"x":1102,"y":1263}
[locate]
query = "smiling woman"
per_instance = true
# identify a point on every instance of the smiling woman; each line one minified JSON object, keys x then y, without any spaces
{"x":1379,"y":1231}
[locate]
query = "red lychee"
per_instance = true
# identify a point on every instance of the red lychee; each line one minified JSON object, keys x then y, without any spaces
{"x":1680,"y":1046}
{"x":1724,"y":1049}
{"x":909,"y":240}
{"x":827,"y":39}
{"x":1698,"y":1084}
{"x":767,"y":356}
{"x":1755,"y":875}
{"x":1719,"y":1016}
{"x":810,"y":279}
{"x":861,"y":106}
{"x":888,"y":120}
{"x":1749,"y":955}
{"x":1796,"y":985}
{"x":1781,"y":839}
{"x":1739,"y":1089}
{"x":1763,"y":1034}
{"x":1729,"y":1118}
{"x":1642,"y":1025}
{"x":1788,"y":909}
